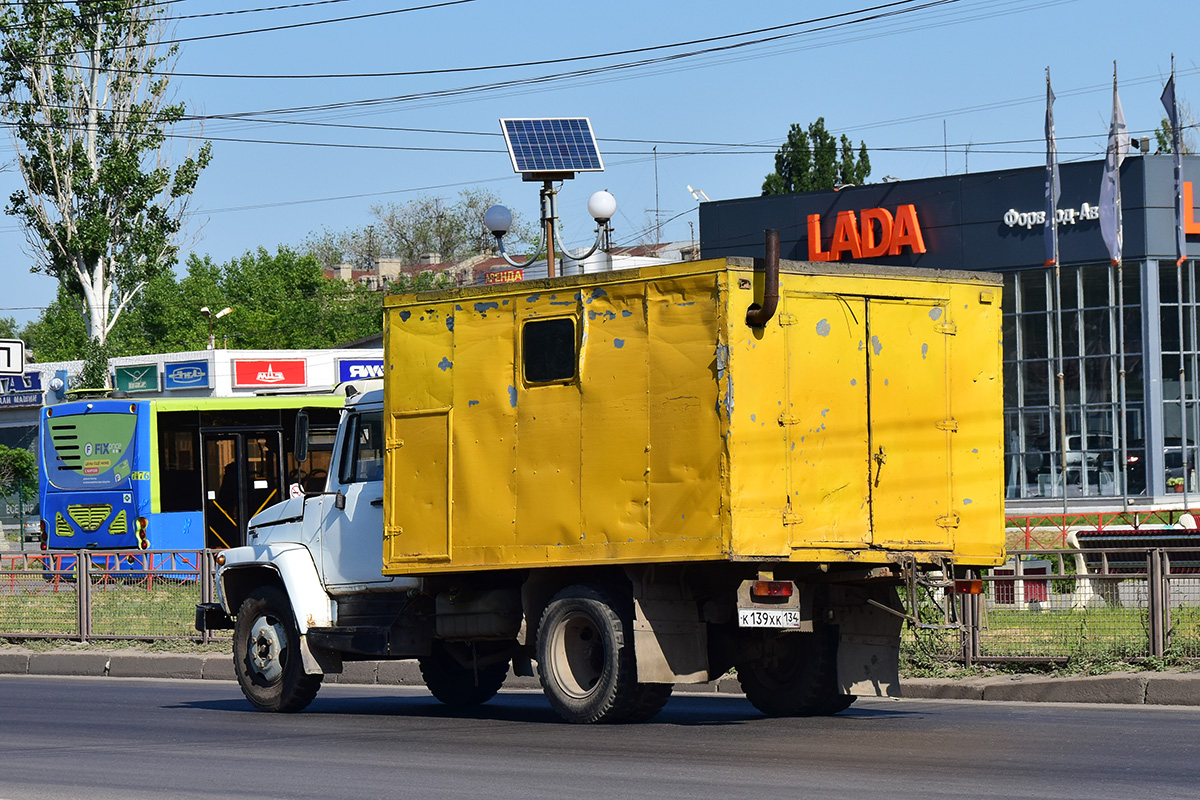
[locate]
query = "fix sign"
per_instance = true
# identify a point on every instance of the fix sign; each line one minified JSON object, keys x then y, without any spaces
{"x":870,"y":233}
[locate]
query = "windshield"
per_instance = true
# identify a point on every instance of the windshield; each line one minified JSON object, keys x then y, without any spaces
{"x":88,"y":451}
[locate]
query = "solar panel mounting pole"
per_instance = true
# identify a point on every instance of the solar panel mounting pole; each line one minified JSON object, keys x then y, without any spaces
{"x":549,"y":217}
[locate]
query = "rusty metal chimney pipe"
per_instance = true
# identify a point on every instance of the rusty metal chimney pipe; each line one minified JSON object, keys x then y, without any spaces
{"x":758,"y":316}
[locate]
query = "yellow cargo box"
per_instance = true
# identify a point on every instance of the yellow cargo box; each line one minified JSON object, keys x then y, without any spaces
{"x":636,"y":417}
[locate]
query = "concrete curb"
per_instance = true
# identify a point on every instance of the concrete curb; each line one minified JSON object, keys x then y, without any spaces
{"x":1122,"y":688}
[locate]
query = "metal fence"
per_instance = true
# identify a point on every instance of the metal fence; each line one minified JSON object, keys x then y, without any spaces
{"x":1054,"y":606}
{"x":1043,"y":606}
{"x":89,"y":595}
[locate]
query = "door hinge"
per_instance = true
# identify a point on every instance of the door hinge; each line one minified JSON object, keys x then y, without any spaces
{"x":948,"y":521}
{"x":786,"y":319}
{"x":946,"y":424}
{"x":948,"y":328}
{"x":788,"y":419}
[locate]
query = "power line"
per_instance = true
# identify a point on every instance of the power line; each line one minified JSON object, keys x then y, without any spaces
{"x":538,"y":63}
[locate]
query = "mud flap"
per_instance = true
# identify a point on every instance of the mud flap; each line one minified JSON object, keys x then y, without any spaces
{"x":868,"y":657}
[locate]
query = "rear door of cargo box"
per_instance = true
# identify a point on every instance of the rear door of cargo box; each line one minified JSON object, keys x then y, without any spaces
{"x":867,"y":423}
{"x":910,"y":424}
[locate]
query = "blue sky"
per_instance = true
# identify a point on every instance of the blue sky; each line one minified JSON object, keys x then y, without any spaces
{"x":969,"y":73}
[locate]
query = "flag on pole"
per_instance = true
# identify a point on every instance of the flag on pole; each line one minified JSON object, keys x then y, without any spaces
{"x":1110,"y":185}
{"x":1168,"y":101}
{"x":1053,"y":190}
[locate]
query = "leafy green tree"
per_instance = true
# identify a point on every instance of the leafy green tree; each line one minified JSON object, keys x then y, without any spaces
{"x":81,"y":88}
{"x":60,"y":333}
{"x":1164,"y":139}
{"x":813,"y":159}
{"x":454,"y":230}
{"x":18,"y":470}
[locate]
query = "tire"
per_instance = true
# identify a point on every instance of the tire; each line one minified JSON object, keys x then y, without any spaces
{"x":585,"y":657}
{"x":795,"y":676}
{"x":650,"y":699}
{"x":266,"y":654}
{"x":459,"y":684}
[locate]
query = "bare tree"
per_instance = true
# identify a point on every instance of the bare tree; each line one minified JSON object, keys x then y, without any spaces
{"x":84,"y":89}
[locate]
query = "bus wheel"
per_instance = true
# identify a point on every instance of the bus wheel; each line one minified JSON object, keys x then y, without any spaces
{"x":266,"y":654}
{"x":585,"y":656}
{"x":795,"y":676}
{"x":461,"y":676}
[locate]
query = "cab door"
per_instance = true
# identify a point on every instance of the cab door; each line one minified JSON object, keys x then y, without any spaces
{"x":351,"y":544}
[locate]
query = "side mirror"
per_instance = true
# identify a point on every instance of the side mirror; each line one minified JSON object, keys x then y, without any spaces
{"x":301,"y":444}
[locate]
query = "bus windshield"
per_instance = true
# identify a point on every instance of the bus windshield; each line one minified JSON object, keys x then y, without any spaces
{"x":89,"y":451}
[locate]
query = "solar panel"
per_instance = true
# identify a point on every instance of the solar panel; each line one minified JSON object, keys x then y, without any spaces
{"x":552,"y":145}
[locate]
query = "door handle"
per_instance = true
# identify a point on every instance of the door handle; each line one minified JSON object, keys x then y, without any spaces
{"x":378,"y":502}
{"x":880,"y":460}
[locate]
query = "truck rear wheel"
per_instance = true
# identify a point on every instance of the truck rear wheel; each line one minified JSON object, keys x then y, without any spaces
{"x":585,"y":657}
{"x":795,"y":676}
{"x":266,"y":654}
{"x":470,"y":681}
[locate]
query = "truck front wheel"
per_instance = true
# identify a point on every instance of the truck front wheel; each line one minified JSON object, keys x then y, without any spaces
{"x":795,"y":675}
{"x":463,"y":675}
{"x":585,"y":656}
{"x":266,"y":654}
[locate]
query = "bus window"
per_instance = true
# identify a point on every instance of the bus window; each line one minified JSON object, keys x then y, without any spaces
{"x":322,"y":433}
{"x":180,"y":485}
{"x":88,"y":450}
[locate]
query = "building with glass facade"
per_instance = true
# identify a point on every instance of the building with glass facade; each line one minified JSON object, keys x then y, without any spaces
{"x":1106,"y":353}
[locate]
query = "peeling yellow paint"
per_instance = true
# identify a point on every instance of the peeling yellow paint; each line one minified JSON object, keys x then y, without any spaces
{"x":857,"y":423}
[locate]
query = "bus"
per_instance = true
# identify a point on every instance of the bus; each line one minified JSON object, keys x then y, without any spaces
{"x":173,"y":473}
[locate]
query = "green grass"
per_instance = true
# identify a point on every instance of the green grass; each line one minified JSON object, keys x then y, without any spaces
{"x":31,"y":605}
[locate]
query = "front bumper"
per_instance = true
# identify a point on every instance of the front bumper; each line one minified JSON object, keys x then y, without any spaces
{"x":211,"y":617}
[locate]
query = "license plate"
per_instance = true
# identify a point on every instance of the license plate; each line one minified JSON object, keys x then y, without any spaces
{"x":768,"y":618}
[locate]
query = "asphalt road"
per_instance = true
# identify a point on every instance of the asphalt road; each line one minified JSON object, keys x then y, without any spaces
{"x":101,"y":738}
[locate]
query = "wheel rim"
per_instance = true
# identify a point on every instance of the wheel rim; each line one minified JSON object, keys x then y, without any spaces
{"x":578,"y":655}
{"x":268,"y":646}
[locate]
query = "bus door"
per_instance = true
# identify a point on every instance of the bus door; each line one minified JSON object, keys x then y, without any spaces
{"x":242,"y":476}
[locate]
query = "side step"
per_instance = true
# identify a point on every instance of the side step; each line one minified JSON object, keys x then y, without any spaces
{"x":370,"y":640}
{"x":361,"y":639}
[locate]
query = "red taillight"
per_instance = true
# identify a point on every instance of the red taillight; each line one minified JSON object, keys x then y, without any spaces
{"x":43,"y":539}
{"x":771,"y":589}
{"x":968,"y":586}
{"x":143,"y":540}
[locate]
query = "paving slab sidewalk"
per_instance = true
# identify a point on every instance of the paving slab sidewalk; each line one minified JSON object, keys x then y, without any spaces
{"x":1124,"y":688}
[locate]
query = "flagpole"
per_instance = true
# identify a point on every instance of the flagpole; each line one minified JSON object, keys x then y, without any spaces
{"x":1119,"y":260}
{"x":1052,"y":258}
{"x":1170,"y":104}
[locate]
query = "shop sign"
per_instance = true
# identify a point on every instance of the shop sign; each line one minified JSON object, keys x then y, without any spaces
{"x":21,"y":391}
{"x":137,"y":378}
{"x":186,"y":375}
{"x":871,"y":233}
{"x":504,"y":276}
{"x":1036,"y":219}
{"x":277,"y":372}
{"x":355,"y":369}
{"x":1190,"y":224}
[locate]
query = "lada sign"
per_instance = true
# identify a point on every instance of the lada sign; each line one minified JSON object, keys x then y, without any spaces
{"x":869,"y":233}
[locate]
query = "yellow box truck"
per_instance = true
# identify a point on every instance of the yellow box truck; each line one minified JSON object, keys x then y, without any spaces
{"x":638,"y":479}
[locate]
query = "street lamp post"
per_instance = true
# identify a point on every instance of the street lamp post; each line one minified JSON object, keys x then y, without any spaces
{"x":208,"y":315}
{"x":601,"y":207}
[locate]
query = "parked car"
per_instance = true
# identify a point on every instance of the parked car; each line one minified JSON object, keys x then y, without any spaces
{"x":32,"y":526}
